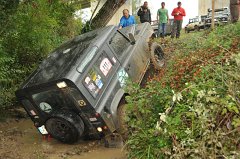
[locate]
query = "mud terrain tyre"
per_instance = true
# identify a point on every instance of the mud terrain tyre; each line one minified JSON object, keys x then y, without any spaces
{"x":65,"y":126}
{"x":157,"y":56}
{"x":196,"y":28}
{"x":122,"y":125}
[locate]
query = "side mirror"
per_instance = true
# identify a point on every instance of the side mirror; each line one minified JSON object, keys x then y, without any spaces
{"x":132,"y":39}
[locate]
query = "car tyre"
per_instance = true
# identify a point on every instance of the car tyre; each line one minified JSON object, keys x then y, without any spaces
{"x":157,"y":56}
{"x":196,"y":28}
{"x":65,"y":126}
{"x":122,"y":125}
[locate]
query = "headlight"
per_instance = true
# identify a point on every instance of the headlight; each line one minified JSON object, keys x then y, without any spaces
{"x":61,"y":84}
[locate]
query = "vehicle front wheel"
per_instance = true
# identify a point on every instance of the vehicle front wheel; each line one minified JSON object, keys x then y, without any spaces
{"x":65,"y":126}
{"x":122,"y":125}
{"x":157,"y":56}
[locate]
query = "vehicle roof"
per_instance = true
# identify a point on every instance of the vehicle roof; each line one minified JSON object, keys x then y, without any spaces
{"x":65,"y":58}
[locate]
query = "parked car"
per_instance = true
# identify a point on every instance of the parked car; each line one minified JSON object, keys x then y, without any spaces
{"x":221,"y":16}
{"x":203,"y":18}
{"x":78,"y":90}
{"x":194,"y":24}
{"x":168,"y":30}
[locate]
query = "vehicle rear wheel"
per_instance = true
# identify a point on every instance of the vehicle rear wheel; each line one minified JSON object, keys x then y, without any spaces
{"x":65,"y":126}
{"x":122,"y":125}
{"x":157,"y":56}
{"x":196,"y":28}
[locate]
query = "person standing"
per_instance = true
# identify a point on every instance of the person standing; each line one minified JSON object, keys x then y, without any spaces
{"x":144,"y":13}
{"x":163,"y":19}
{"x":126,"y":19}
{"x":178,"y":14}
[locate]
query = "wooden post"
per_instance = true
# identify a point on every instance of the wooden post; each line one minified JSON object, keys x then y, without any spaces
{"x":213,"y":9}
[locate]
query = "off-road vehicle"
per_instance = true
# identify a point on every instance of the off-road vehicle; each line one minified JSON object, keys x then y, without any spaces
{"x":78,"y":90}
{"x":221,"y":16}
{"x":168,"y":27}
{"x":194,"y":24}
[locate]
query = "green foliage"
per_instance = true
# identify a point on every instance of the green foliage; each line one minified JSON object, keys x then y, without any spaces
{"x":7,"y":9}
{"x":192,"y":110}
{"x":29,"y":31}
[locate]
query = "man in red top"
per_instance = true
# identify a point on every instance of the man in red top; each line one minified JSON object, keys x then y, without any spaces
{"x":178,"y":14}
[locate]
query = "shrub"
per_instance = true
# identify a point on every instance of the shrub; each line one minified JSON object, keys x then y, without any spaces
{"x":192,"y":109}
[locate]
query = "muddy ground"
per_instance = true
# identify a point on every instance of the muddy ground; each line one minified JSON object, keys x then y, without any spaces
{"x":19,"y":139}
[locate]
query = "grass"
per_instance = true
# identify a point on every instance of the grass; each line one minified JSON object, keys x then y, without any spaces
{"x":190,"y":109}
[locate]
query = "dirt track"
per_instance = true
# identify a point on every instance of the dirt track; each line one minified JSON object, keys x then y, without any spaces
{"x":21,"y":140}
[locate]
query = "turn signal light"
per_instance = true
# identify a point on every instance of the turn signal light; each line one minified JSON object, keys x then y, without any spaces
{"x":105,"y":127}
{"x":97,"y":115}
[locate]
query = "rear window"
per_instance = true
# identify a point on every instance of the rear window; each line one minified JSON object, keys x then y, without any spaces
{"x":51,"y":100}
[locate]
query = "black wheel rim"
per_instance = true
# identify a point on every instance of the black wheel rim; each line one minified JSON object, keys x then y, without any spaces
{"x":60,"y":129}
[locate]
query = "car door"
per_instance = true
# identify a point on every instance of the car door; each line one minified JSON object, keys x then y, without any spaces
{"x":131,"y":57}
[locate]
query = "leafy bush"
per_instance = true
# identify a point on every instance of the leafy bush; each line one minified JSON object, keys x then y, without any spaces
{"x":191,"y":109}
{"x":32,"y":30}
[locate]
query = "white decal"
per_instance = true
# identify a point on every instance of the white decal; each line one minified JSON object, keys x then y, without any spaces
{"x":122,"y":77}
{"x":87,"y":80}
{"x":45,"y":107}
{"x":91,"y":87}
{"x":105,"y":66}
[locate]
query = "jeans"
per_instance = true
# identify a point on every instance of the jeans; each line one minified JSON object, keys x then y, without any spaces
{"x":176,"y":29}
{"x":162,"y":29}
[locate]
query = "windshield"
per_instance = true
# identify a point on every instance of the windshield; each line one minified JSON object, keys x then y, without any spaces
{"x":193,"y":20}
{"x":219,"y":12}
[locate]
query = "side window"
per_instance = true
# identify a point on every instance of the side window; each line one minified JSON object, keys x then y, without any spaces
{"x":97,"y":76}
{"x":119,"y":44}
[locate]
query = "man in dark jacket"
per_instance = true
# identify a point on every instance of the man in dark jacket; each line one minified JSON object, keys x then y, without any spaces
{"x":144,"y":13}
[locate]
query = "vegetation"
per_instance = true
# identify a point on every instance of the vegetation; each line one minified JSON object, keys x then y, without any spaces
{"x":191,"y":109}
{"x":29,"y":31}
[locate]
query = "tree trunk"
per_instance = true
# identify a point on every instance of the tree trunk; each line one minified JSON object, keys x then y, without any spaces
{"x":105,"y":14}
{"x":234,"y":8}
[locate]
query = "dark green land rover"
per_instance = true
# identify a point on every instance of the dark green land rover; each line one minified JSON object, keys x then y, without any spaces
{"x":78,"y":90}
